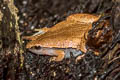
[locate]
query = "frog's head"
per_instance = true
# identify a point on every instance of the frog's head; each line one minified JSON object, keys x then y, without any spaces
{"x":100,"y":36}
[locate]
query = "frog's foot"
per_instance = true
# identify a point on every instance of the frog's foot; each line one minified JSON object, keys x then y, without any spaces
{"x":41,"y":31}
{"x":36,"y":35}
{"x":58,"y":55}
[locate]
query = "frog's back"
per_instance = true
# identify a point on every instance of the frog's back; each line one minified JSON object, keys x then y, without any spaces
{"x":68,"y":37}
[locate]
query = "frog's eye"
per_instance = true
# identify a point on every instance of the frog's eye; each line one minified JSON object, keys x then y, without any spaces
{"x":36,"y":47}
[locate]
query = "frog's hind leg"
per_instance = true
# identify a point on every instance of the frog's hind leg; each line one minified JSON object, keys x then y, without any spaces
{"x":36,"y":35}
{"x":30,"y":37}
{"x":58,"y":55}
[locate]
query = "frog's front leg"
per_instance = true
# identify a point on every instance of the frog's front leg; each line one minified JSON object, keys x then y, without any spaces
{"x":59,"y":54}
{"x":72,"y":51}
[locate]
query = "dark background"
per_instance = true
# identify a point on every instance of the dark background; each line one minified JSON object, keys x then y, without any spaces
{"x":46,"y":13}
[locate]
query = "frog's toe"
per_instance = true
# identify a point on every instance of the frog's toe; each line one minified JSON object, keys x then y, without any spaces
{"x":41,"y":31}
{"x":80,"y":57}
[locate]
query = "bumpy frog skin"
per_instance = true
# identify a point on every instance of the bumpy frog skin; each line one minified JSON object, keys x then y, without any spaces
{"x":70,"y":33}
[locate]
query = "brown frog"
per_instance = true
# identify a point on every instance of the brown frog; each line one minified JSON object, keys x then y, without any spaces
{"x":71,"y":33}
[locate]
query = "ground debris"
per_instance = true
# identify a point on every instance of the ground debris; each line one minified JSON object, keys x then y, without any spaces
{"x":45,"y":13}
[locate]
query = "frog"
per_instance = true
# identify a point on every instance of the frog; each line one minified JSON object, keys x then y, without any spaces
{"x":67,"y":35}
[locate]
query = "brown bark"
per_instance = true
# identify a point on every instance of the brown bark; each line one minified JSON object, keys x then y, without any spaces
{"x":11,"y":46}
